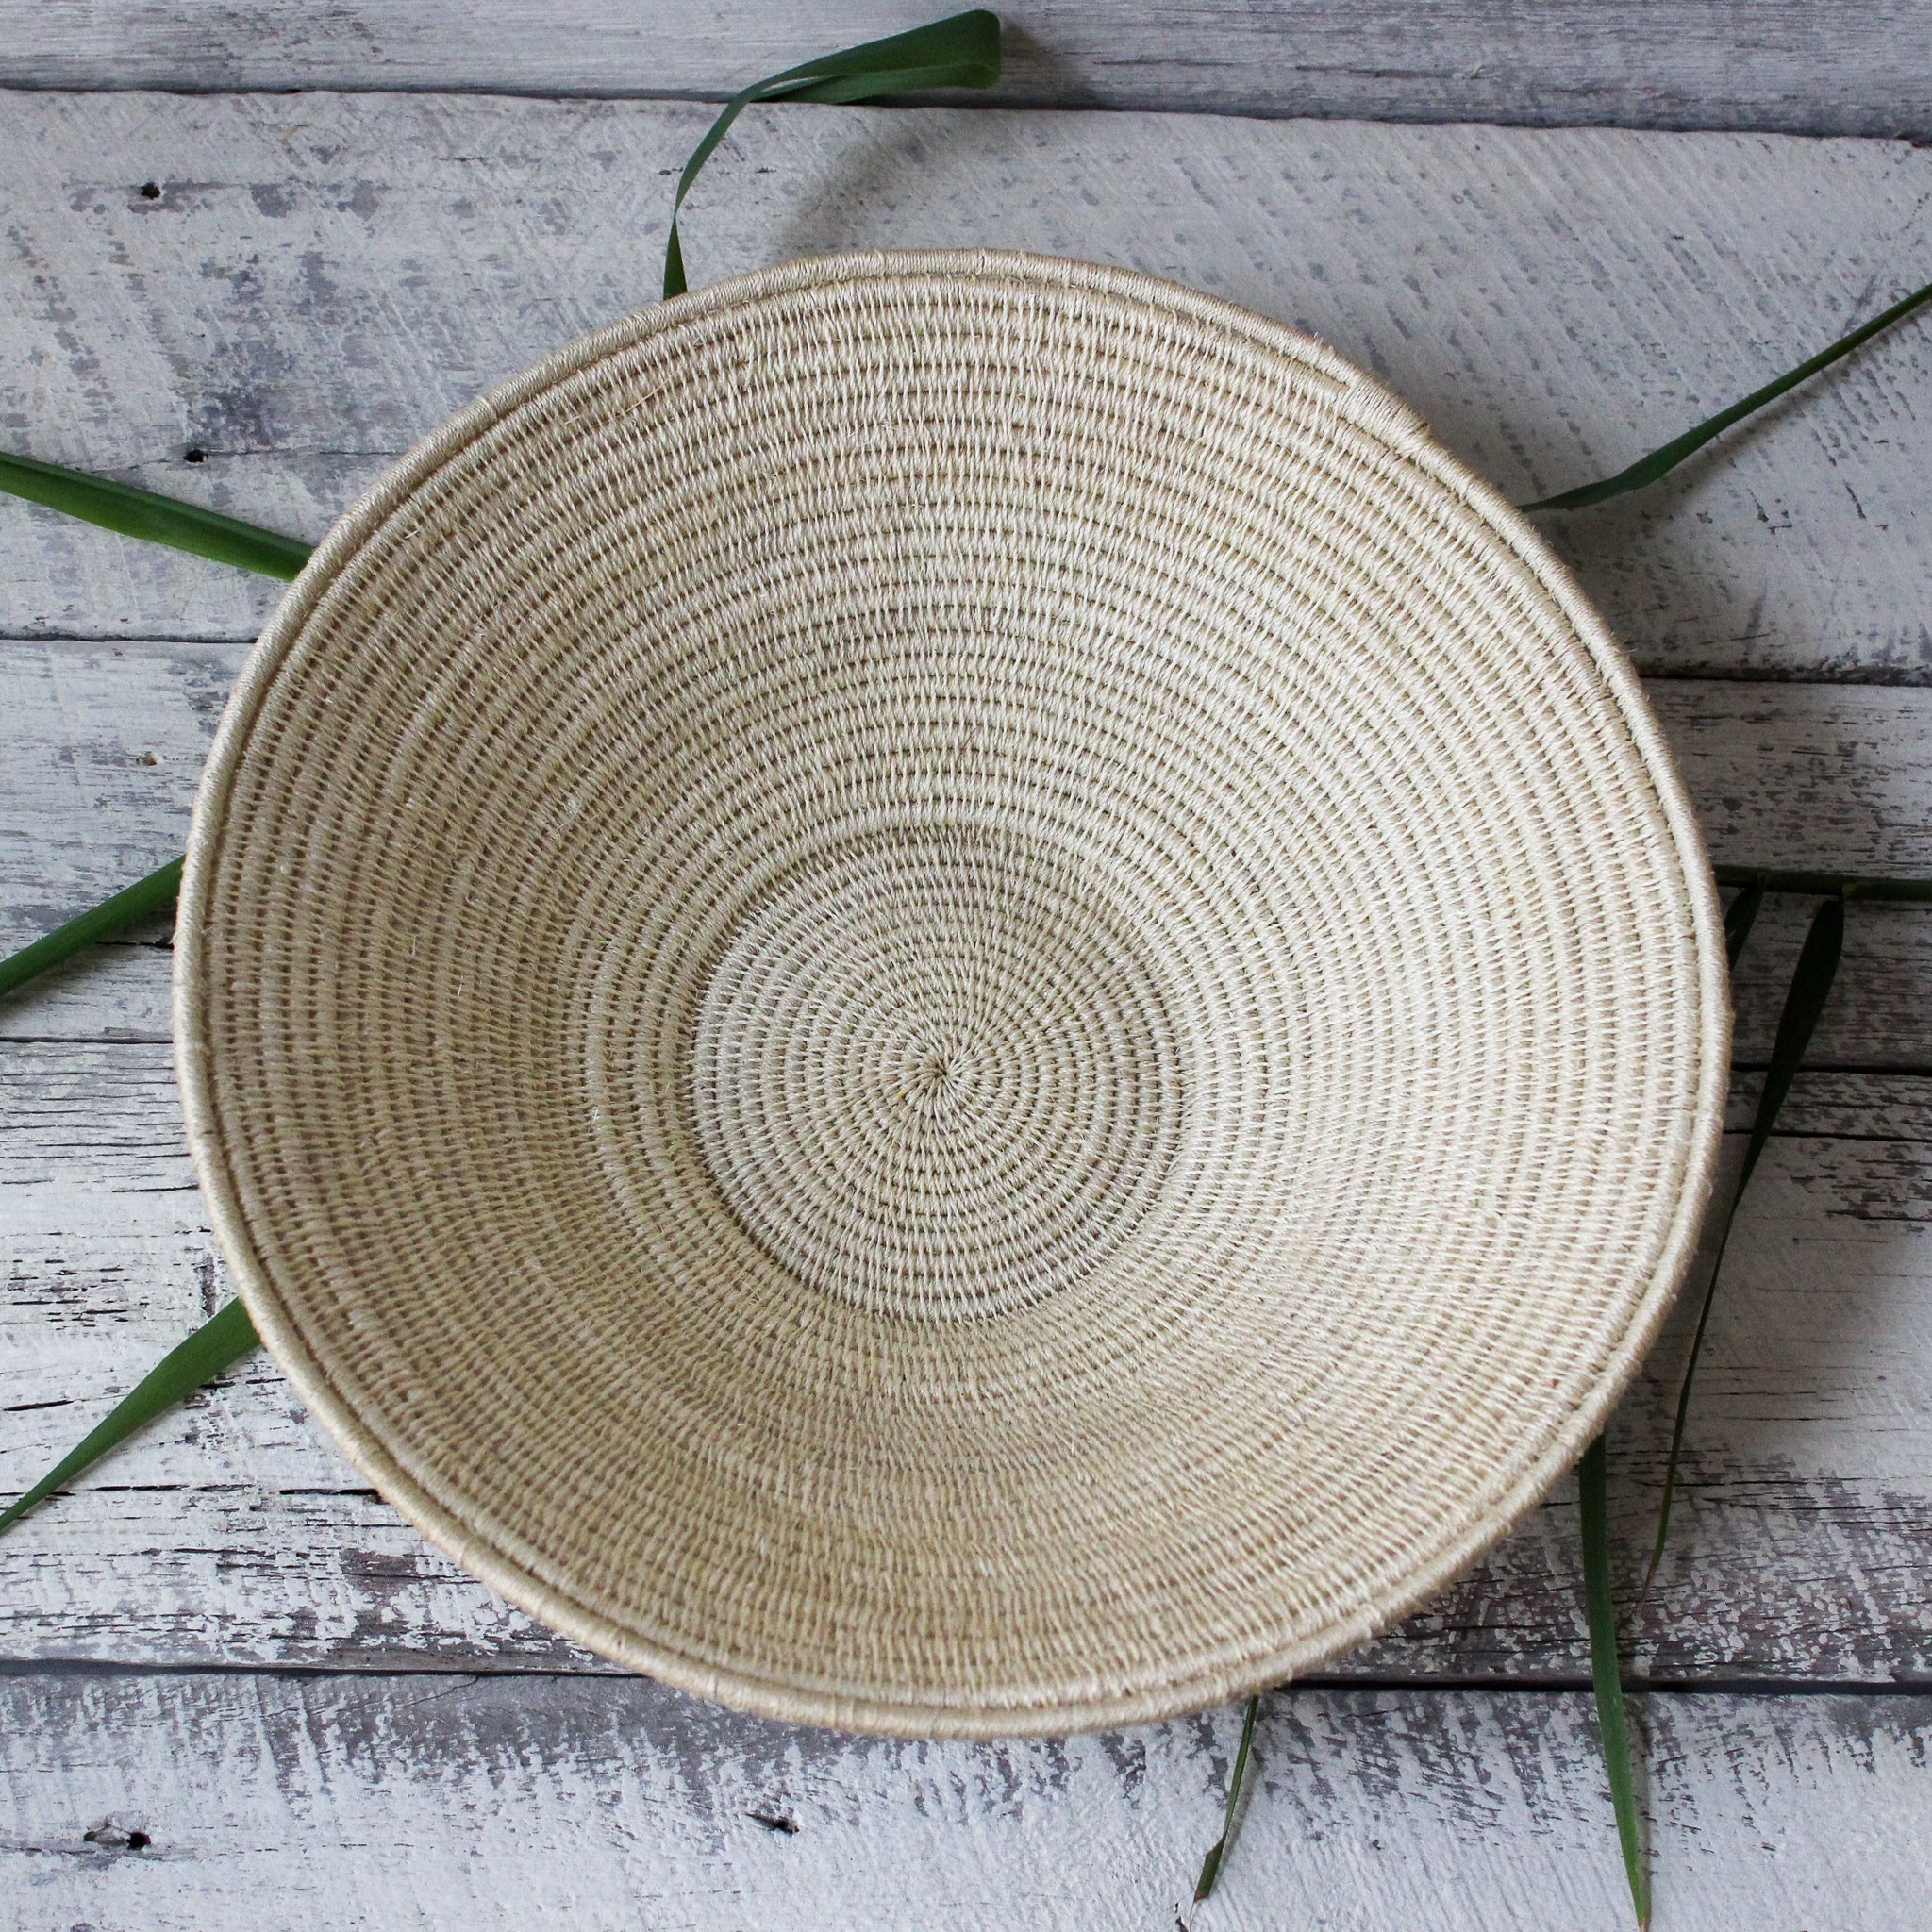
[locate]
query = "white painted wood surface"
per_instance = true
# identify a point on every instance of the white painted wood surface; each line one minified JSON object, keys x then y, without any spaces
{"x":1803,"y":66}
{"x":321,"y":1804}
{"x":321,"y":279}
{"x":317,"y":281}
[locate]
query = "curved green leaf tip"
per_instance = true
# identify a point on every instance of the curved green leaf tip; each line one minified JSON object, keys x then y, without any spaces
{"x":217,"y":1344}
{"x":1605,"y":1673}
{"x":1217,"y":1852}
{"x":961,"y":50}
{"x":1662,"y":461}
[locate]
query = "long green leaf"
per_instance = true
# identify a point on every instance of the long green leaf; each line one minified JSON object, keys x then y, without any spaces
{"x":961,"y":50}
{"x":217,"y":1344}
{"x":1660,"y":461}
{"x":1605,"y":1672}
{"x":1210,"y":1865}
{"x":1810,"y":988}
{"x":139,"y":901}
{"x":1811,"y":885}
{"x":159,"y":519}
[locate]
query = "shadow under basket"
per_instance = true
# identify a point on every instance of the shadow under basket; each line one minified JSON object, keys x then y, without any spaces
{"x":940,"y":993}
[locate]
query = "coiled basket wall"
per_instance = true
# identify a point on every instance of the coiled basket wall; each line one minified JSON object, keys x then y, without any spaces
{"x":940,"y":993}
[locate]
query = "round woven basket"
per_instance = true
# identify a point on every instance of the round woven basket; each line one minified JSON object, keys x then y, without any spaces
{"x":940,"y":993}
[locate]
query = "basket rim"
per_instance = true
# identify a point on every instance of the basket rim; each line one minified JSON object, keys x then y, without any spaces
{"x":1371,"y":408}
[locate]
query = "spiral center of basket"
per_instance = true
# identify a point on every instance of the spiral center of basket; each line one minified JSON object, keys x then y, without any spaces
{"x":934,"y":1074}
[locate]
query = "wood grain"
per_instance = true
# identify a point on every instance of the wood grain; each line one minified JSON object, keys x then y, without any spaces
{"x":1803,"y":66}
{"x":319,"y":279}
{"x":201,"y":1804}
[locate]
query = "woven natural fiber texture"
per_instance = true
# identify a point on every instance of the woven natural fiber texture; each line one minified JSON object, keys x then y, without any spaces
{"x":940,"y":993}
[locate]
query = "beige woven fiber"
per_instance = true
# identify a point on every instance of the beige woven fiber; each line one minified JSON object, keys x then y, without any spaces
{"x":940,"y":993}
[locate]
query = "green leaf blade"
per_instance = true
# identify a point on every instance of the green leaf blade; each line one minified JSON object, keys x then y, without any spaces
{"x":1217,"y":1852}
{"x":154,"y":518}
{"x":1605,"y":1671}
{"x":141,"y":900}
{"x":1663,"y":459}
{"x":1739,"y":917}
{"x":962,"y":50}
{"x":1812,"y":982}
{"x":216,"y":1345}
{"x":1810,"y":988}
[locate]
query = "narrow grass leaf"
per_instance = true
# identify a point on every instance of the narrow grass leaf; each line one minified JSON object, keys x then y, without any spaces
{"x":217,"y":1344}
{"x":1662,"y":461}
{"x":1217,"y":1852}
{"x":1605,"y":1672}
{"x":159,"y":519}
{"x":1810,"y":988}
{"x":1811,"y":885}
{"x":140,"y":901}
{"x":961,"y":50}
{"x":1740,"y":915}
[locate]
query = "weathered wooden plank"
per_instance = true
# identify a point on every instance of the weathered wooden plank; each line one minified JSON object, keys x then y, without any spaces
{"x":101,"y":744}
{"x":1791,"y":64}
{"x":232,"y":1533}
{"x":317,"y":279}
{"x":199,"y":1803}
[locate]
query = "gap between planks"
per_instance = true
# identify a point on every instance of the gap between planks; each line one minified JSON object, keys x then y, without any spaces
{"x":1781,"y":65}
{"x":187,"y":1801}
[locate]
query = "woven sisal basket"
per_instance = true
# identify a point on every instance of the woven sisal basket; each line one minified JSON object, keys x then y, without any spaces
{"x":940,"y":993}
